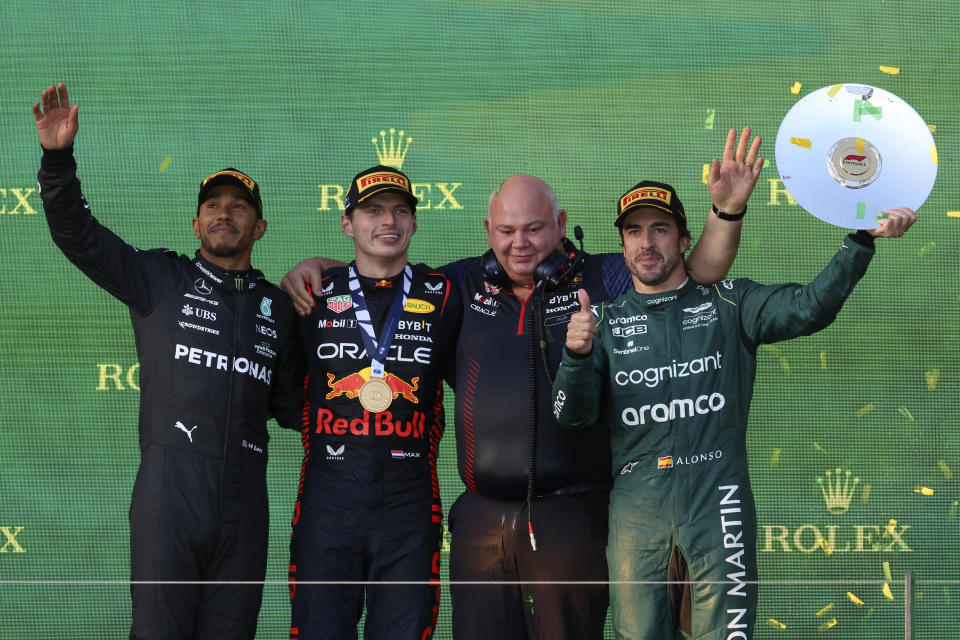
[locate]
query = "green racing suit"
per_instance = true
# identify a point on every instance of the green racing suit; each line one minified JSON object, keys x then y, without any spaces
{"x":673,"y":372}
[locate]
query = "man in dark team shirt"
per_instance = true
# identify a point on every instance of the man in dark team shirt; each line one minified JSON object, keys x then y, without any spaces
{"x":540,"y":517}
{"x":215,"y":350}
{"x":368,"y":509}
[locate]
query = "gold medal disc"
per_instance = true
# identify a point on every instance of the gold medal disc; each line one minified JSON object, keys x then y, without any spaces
{"x":375,"y":395}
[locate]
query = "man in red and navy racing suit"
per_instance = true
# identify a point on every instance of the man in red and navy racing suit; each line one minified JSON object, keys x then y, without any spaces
{"x":368,"y":507}
{"x":214,"y":344}
{"x":498,"y":358}
{"x":671,"y":364}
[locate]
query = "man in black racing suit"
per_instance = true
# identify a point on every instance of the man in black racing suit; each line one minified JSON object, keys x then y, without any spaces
{"x":368,"y":507}
{"x":213,"y":342}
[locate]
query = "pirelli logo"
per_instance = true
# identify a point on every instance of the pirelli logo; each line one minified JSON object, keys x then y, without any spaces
{"x":645,"y":193}
{"x":245,"y":179}
{"x":382,"y":177}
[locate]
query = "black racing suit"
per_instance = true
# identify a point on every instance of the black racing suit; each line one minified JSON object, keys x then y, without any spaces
{"x":213,"y":346}
{"x":501,"y":390}
{"x":368,"y":507}
{"x":674,"y":373}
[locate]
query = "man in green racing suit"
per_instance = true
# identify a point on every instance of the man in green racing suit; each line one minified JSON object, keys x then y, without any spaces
{"x":672,"y":363}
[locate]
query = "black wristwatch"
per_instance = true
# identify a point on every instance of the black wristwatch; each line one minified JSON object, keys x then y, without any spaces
{"x":733,"y":217}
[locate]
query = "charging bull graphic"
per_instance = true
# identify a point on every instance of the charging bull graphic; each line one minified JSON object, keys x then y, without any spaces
{"x":350,"y":384}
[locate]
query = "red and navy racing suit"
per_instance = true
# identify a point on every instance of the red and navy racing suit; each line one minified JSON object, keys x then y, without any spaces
{"x":214,"y":348}
{"x":368,"y":507}
{"x":498,"y":359}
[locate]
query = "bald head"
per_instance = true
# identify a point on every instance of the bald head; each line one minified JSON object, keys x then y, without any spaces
{"x":524,"y":226}
{"x":527,"y":192}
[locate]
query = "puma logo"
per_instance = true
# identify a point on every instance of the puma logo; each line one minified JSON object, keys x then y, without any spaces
{"x":189,"y":432}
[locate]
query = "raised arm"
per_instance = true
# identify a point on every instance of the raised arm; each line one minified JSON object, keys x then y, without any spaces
{"x":731,"y":181}
{"x":106,"y":259}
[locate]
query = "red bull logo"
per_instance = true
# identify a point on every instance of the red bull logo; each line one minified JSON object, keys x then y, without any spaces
{"x":349,"y":385}
{"x":371,"y":424}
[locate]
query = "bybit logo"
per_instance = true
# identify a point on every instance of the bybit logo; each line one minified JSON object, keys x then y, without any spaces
{"x":838,"y":490}
{"x":392,"y":147}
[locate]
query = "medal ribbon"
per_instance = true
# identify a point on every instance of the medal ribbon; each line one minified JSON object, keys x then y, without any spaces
{"x":378,"y":349}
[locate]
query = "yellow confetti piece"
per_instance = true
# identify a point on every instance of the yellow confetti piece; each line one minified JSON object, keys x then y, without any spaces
{"x":166,"y":163}
{"x":854,"y":599}
{"x":795,"y":89}
{"x":862,"y":411}
{"x":825,"y":545}
{"x":933,"y":155}
{"x":890,"y":529}
{"x":932,"y":127}
{"x":825,"y":609}
{"x":886,"y":591}
{"x":860,"y":145}
{"x":943,"y":467}
{"x":705,"y":173}
{"x":905,"y":413}
{"x":866,"y":493}
{"x":953,"y":214}
{"x":927,"y":491}
{"x":823,"y":360}
{"x":802,"y":142}
{"x":886,"y":571}
{"x":775,"y":459}
{"x":784,"y":365}
{"x":834,"y":90}
{"x":933,"y":375}
{"x":776,"y":624}
{"x":832,"y":622}
{"x":891,"y":70}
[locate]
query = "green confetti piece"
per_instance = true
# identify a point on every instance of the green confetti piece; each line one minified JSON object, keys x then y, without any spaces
{"x":819,"y":448}
{"x":711,"y":113}
{"x":861,"y":107}
{"x":953,"y":510}
{"x":861,"y":210}
{"x":165,"y":163}
{"x":886,"y":571}
{"x":927,"y":248}
{"x":905,"y":413}
{"x":864,"y":619}
{"x":946,"y":595}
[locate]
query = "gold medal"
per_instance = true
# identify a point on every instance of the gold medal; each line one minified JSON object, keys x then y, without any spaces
{"x":375,"y":395}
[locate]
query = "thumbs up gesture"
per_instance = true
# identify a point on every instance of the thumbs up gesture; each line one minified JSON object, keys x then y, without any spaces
{"x":581,"y":327}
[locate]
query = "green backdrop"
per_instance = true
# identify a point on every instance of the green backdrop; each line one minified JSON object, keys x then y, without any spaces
{"x":591,"y":97}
